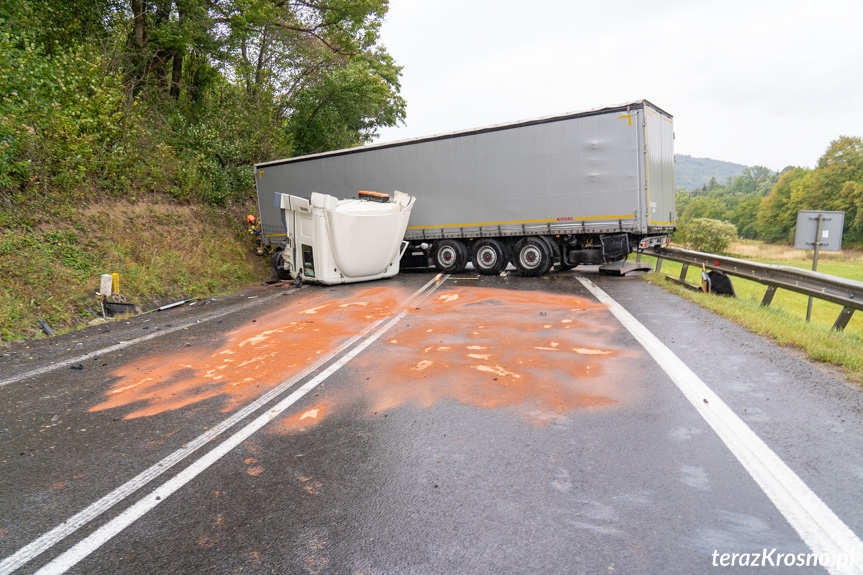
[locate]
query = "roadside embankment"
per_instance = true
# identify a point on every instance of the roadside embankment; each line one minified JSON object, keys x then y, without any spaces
{"x":162,"y":252}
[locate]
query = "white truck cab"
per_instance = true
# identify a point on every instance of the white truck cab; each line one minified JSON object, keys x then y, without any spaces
{"x":332,"y":241}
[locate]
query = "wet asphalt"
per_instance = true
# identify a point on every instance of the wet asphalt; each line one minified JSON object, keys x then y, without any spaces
{"x":396,"y":468}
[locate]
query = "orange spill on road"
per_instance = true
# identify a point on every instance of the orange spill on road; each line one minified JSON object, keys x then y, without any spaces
{"x":251,"y":359}
{"x":539,"y":353}
{"x":302,"y":421}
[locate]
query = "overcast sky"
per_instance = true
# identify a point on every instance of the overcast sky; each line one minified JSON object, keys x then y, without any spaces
{"x":756,"y":82}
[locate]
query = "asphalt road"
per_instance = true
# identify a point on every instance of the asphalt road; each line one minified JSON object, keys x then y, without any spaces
{"x":427,"y":425}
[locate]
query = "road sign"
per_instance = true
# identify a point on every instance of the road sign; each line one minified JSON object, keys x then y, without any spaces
{"x":808,"y":226}
{"x":818,"y":230}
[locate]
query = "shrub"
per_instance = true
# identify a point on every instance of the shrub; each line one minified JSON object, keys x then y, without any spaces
{"x":711,"y":236}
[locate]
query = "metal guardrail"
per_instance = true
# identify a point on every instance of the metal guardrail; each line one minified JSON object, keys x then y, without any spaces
{"x":845,"y":292}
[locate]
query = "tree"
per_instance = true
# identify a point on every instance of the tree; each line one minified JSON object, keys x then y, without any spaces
{"x":346,"y":106}
{"x":778,"y":211}
{"x":320,"y":64}
{"x":835,"y":184}
{"x":761,"y":179}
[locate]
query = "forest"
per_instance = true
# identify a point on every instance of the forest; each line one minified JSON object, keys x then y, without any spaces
{"x":179,"y":98}
{"x":762,"y":204}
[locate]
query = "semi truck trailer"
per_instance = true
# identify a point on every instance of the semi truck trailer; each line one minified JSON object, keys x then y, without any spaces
{"x":580,"y":188}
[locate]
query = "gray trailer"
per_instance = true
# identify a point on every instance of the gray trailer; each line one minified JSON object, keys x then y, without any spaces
{"x":580,"y":188}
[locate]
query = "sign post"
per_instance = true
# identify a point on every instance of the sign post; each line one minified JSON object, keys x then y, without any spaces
{"x":826,"y":230}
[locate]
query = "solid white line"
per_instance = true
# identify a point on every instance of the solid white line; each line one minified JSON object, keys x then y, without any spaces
{"x":73,"y":556}
{"x":816,"y":523}
{"x":84,"y":517}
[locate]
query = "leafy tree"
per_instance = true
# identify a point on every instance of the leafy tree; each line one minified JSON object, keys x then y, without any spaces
{"x":183,"y":96}
{"x":835,"y":184}
{"x":745,"y":218}
{"x":346,"y":106}
{"x":777,"y":214}
{"x":759,"y":178}
{"x":851,"y":203}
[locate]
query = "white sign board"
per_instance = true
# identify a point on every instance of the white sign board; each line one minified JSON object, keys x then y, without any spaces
{"x":831,"y":230}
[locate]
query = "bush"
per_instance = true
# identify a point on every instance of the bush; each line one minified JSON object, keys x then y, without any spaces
{"x":706,"y":235}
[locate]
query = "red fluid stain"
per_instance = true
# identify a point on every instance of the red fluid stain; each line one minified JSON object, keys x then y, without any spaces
{"x":251,"y":359}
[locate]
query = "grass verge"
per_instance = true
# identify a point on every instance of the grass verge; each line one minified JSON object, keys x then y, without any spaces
{"x":784,"y":320}
{"x":161,"y":251}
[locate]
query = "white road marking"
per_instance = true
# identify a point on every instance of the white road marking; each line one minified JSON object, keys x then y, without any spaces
{"x":816,"y":523}
{"x":84,"y":517}
{"x":73,"y":556}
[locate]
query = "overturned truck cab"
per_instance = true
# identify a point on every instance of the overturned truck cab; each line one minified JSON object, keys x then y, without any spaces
{"x":331,"y":241}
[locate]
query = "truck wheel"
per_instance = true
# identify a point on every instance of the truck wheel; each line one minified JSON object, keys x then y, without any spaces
{"x":532,"y":256}
{"x":277,"y":262}
{"x":450,"y":256}
{"x":489,"y":257}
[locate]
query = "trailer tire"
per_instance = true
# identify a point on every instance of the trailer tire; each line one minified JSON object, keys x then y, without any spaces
{"x":277,"y":261}
{"x":489,"y":257}
{"x":450,"y":256}
{"x":532,"y":256}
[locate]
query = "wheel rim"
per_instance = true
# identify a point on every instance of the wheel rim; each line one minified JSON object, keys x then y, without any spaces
{"x":446,"y":257}
{"x":487,"y":257}
{"x":530,"y":257}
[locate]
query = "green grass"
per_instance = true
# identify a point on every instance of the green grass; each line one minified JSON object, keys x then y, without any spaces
{"x":160,"y":251}
{"x":785,"y":319}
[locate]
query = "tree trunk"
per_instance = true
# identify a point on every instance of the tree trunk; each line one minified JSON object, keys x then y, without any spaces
{"x":176,"y":75}
{"x":140,"y":23}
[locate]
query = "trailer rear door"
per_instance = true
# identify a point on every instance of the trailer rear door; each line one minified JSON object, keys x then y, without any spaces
{"x":659,"y":143}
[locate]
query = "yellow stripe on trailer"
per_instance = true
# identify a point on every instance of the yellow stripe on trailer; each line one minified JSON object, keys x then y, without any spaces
{"x":556,"y":221}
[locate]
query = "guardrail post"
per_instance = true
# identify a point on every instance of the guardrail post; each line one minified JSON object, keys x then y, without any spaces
{"x":846,"y":292}
{"x":768,"y":296}
{"x":844,"y":317}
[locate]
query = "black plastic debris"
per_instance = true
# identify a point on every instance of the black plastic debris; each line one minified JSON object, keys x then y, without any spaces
{"x":45,"y":327}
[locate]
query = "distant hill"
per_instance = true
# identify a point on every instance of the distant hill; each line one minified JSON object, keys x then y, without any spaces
{"x":693,"y":173}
